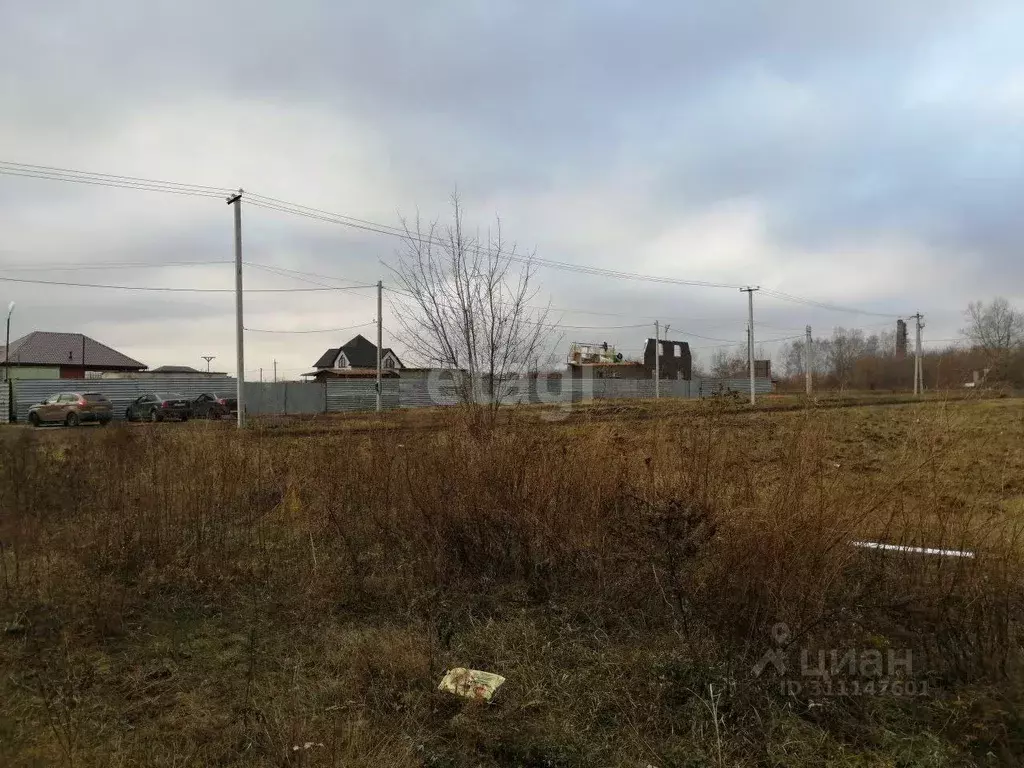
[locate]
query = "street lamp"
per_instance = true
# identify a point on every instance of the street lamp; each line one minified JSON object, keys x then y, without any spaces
{"x":7,"y":344}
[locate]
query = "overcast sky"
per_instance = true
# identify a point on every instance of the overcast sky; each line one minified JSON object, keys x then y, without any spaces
{"x":868,"y":154}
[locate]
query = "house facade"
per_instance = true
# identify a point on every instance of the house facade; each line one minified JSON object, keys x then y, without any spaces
{"x":675,"y":360}
{"x":355,"y":359}
{"x":45,"y":355}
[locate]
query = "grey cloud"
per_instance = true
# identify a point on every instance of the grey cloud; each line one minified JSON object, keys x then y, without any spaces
{"x":807,"y":109}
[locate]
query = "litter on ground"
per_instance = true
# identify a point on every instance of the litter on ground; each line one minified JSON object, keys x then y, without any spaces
{"x":471,"y":683}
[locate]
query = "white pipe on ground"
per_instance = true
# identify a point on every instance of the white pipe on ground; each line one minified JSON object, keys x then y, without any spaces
{"x":916,"y":550}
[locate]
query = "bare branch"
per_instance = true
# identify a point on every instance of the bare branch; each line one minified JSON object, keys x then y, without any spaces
{"x":466,"y":304}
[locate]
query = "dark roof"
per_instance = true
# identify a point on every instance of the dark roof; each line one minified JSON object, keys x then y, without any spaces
{"x":45,"y":348}
{"x":352,"y":373}
{"x":360,"y":353}
{"x":651,"y":342}
{"x":327,"y":358}
{"x":175,"y":369}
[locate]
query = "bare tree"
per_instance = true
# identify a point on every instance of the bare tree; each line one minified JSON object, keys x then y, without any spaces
{"x":996,"y":327}
{"x":793,"y":356}
{"x":848,"y":346}
{"x":466,"y":305}
{"x":726,"y":363}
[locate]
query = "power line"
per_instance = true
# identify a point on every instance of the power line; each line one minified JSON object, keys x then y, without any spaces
{"x":53,"y":173}
{"x":823,"y":305}
{"x":314,"y":330}
{"x":552,"y":309}
{"x":553,"y":324}
{"x":589,"y":312}
{"x":282,"y":272}
{"x":101,"y":183}
{"x":363,"y":224}
{"x":169,"y":290}
{"x":384,"y":229}
{"x":592,"y":327}
{"x":275,"y":268}
{"x":109,"y":265}
{"x":539,"y":308}
{"x":57,"y":169}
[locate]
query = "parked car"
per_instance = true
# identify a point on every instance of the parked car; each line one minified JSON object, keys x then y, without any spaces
{"x":211,"y":405}
{"x":158,"y":406}
{"x":72,"y":409}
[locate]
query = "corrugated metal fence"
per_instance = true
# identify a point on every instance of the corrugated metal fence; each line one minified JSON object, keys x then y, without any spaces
{"x":360,"y":394}
{"x":28,"y":392}
{"x":285,"y":398}
{"x":711,"y":387}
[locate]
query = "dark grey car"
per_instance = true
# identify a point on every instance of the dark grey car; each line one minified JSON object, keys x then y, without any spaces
{"x":159,"y":406}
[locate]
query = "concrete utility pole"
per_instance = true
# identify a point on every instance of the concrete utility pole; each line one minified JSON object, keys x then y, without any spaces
{"x":657,"y":361}
{"x":657,"y":357}
{"x":275,"y":371}
{"x":236,"y":200}
{"x":749,"y":290}
{"x":809,"y":360}
{"x":208,"y":359}
{"x":380,"y":341}
{"x":7,"y":344}
{"x":918,"y":362}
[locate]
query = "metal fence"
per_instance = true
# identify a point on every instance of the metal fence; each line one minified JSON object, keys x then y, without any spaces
{"x":285,"y":398}
{"x":339,"y":395}
{"x":361,"y":394}
{"x":5,"y":402}
{"x":710,"y":387}
{"x":120,"y":392}
{"x":421,"y":393}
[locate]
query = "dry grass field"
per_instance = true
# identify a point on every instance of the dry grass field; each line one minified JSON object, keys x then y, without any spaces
{"x":184,"y":595}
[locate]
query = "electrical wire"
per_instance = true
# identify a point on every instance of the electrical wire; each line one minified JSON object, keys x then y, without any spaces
{"x":281,"y":272}
{"x":99,"y":183}
{"x":539,"y":308}
{"x":314,"y":330}
{"x":363,"y":224}
{"x":278,"y":269}
{"x":823,"y":305}
{"x":163,"y":289}
{"x":384,"y":229}
{"x":53,"y":173}
{"x":111,"y":265}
